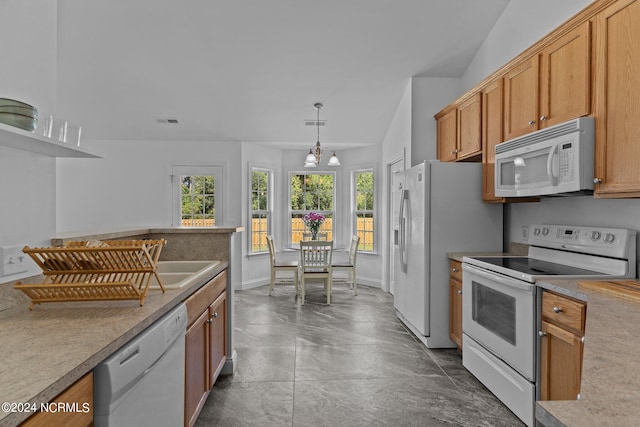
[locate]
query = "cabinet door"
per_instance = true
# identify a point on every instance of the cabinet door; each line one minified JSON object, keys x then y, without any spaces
{"x":560,"y":363}
{"x":521,"y":99}
{"x":470,"y":127}
{"x":447,"y":136}
{"x":217,"y":336}
{"x":492,"y":115}
{"x":565,"y":77}
{"x":196,"y":368}
{"x":81,"y":392}
{"x":455,"y":312}
{"x":617,"y":94}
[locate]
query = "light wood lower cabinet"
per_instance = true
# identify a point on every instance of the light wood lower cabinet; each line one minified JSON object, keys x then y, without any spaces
{"x":455,"y":303}
{"x":561,"y":347}
{"x":206,"y":344}
{"x":77,"y":401}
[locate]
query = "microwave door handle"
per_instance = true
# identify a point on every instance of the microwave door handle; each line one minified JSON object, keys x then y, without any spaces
{"x":552,"y":178}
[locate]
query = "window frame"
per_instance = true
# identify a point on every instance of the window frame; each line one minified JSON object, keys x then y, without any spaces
{"x":268,"y":212}
{"x":215,"y":170}
{"x":373,"y":211}
{"x":291,"y":212}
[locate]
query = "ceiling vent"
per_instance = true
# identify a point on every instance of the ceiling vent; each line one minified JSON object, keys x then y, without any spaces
{"x":167,"y":120}
{"x":315,"y":123}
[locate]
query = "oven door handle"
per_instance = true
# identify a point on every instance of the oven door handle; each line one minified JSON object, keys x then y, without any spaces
{"x":503,"y":280}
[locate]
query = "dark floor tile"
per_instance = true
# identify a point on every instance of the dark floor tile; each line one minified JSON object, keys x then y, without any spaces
{"x":263,"y":404}
{"x":362,"y":361}
{"x":257,"y":364}
{"x":351,"y":363}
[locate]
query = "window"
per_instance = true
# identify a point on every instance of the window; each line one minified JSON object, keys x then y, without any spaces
{"x":364,"y":216}
{"x":260,"y":209}
{"x":197,"y":195}
{"x":311,"y":192}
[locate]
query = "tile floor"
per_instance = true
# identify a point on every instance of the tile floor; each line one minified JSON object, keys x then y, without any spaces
{"x":352,"y":363}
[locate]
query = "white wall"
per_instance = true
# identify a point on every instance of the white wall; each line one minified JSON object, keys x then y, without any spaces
{"x":522,"y":24}
{"x":428,"y":96}
{"x":28,"y":73}
{"x":256,"y":268}
{"x":131,"y":186}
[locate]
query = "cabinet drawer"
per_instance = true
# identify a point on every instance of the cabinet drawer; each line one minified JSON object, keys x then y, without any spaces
{"x":455,"y":270}
{"x":563,"y":311}
{"x":203,"y":297}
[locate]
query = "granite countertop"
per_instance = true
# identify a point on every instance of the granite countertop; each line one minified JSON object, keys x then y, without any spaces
{"x":610,"y":387}
{"x":45,"y":350}
{"x":118,"y":233}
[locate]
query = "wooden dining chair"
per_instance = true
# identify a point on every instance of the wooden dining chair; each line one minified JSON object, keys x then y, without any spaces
{"x":280,"y":266}
{"x":315,"y":263}
{"x":350,"y":265}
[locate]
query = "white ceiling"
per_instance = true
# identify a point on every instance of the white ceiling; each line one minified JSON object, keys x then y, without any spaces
{"x":251,"y":70}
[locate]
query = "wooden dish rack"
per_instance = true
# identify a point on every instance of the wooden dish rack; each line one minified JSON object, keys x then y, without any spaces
{"x":94,"y":270}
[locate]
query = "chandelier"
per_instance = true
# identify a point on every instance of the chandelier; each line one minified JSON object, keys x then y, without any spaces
{"x":315,"y":154}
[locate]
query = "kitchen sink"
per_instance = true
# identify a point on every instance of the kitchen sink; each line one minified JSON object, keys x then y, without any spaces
{"x":184,"y":266}
{"x":178,"y":274}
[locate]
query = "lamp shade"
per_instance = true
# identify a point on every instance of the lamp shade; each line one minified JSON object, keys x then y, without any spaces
{"x":333,"y":161}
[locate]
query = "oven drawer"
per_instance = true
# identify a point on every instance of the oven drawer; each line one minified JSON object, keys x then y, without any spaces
{"x":563,"y":311}
{"x":455,"y":270}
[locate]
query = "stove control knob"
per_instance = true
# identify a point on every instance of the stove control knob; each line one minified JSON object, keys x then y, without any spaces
{"x":536,"y":231}
{"x":609,"y":238}
{"x":595,"y":235}
{"x":545,"y":231}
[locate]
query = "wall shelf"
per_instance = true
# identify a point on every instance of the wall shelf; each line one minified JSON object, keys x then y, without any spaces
{"x":20,"y":139}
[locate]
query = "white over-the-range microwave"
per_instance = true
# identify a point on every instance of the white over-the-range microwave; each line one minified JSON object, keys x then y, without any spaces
{"x":557,"y":160}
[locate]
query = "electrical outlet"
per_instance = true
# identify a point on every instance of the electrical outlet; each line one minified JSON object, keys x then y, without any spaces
{"x":525,"y":233}
{"x":14,"y":261}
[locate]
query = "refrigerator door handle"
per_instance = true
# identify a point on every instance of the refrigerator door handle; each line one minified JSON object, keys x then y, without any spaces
{"x":404,"y":194}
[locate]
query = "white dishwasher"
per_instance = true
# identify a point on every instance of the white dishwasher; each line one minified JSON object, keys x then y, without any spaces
{"x":142,"y":384}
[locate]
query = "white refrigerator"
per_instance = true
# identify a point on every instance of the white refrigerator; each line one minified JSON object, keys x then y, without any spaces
{"x":440,"y":210}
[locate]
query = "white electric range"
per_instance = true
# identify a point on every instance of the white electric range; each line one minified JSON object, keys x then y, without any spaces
{"x":501,"y":304}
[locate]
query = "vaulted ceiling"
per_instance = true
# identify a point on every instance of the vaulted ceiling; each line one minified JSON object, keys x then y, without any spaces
{"x":251,"y":70}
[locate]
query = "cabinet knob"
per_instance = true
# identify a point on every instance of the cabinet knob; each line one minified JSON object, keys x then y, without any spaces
{"x":597,"y":181}
{"x":542,"y":334}
{"x":531,"y":123}
{"x":215,"y":315}
{"x":210,"y":320}
{"x":459,"y":292}
{"x":543,"y":118}
{"x":455,"y":270}
{"x":557,"y":310}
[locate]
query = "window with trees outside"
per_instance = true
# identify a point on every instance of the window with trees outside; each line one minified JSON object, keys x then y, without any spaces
{"x":197,"y":194}
{"x":311,"y":192}
{"x":364,"y":215}
{"x":260,"y":209}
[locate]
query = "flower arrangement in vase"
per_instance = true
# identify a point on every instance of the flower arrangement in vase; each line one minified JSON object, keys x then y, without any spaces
{"x":313,"y":221}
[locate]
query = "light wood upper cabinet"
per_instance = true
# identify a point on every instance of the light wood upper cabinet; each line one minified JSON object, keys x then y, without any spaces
{"x":521,"y":98}
{"x":617,"y":100}
{"x":447,"y":129}
{"x":565,"y":77}
{"x":492,"y":114}
{"x":459,"y":130}
{"x":550,"y":87}
{"x":470,"y":127}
